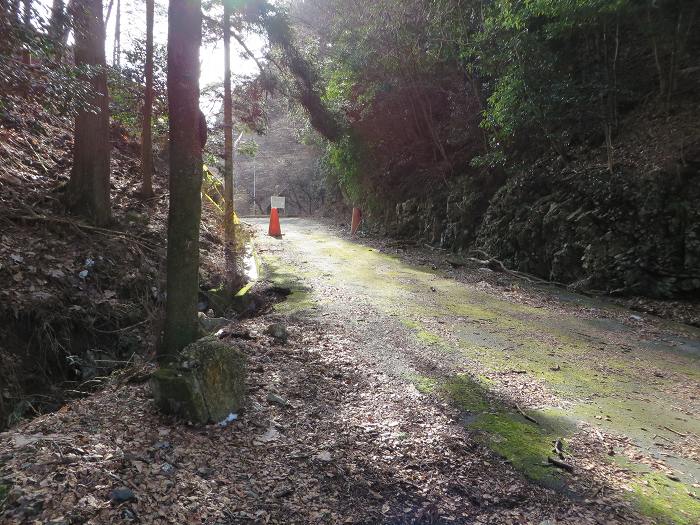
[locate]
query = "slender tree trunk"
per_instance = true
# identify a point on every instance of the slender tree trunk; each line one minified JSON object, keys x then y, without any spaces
{"x":57,"y":20}
{"x":184,"y":39}
{"x":109,"y":12}
{"x":146,"y":134}
{"x":234,"y":275}
{"x":88,"y":189}
{"x":228,"y":129}
{"x":116,"y":52}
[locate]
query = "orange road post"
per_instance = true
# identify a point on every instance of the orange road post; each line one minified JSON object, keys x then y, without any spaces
{"x":356,"y":219}
{"x":274,"y":229}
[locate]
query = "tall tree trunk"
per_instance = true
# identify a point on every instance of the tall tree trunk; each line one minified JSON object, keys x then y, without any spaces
{"x":116,"y":52}
{"x":234,"y":278}
{"x":59,"y":28}
{"x":184,"y":38}
{"x":88,"y":189}
{"x":57,"y":21}
{"x":146,"y":134}
{"x":228,"y":128}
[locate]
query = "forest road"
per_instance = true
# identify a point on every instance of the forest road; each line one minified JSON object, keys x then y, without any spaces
{"x":524,"y":365}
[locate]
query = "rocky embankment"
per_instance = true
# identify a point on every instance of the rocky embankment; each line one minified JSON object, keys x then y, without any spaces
{"x":635,"y":231}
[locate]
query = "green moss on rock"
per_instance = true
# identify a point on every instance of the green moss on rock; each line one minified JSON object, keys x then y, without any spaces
{"x":204,"y":384}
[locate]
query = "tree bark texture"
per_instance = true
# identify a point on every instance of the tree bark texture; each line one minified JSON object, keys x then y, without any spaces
{"x":184,"y":39}
{"x":88,"y":188}
{"x":234,"y":279}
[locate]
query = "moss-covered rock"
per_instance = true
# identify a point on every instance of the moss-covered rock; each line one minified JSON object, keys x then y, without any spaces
{"x":204,"y":384}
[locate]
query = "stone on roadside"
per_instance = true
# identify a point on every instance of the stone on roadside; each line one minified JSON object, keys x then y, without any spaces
{"x":204,"y":383}
{"x":210,"y":325}
{"x":278,"y":332}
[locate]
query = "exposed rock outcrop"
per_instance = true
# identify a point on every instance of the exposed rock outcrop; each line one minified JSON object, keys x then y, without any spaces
{"x":204,"y":384}
{"x":623,"y":232}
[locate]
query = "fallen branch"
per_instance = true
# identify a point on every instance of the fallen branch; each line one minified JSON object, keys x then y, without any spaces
{"x":81,"y":226}
{"x":529,"y":418}
{"x":681,"y":434}
{"x":498,"y":266}
{"x":120,"y":329}
{"x":560,"y":464}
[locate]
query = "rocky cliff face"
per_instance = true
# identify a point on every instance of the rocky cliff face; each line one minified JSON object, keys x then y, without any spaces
{"x":623,"y":232}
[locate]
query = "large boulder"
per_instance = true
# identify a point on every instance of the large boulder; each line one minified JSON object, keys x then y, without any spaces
{"x":204,"y":384}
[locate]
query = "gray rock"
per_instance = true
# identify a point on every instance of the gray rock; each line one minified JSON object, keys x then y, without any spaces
{"x":278,"y":332}
{"x":205,"y":382}
{"x":279,"y":400}
{"x":122,"y":495}
{"x":211,"y":325}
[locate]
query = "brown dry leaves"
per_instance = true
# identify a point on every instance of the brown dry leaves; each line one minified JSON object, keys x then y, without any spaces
{"x":350,"y":445}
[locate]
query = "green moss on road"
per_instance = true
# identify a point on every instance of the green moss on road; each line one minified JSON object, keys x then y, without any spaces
{"x":669,"y":502}
{"x":289,"y":277}
{"x":623,"y":377}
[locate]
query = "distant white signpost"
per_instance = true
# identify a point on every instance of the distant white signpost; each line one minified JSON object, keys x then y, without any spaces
{"x":277,"y":202}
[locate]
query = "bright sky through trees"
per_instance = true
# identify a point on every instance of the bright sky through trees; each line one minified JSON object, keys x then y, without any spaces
{"x":133,"y":26}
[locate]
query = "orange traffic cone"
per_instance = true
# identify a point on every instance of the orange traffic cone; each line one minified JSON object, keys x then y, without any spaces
{"x":274,"y":230}
{"x":356,"y":218}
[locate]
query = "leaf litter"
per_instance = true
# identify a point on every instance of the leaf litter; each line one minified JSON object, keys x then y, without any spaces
{"x":351,"y":445}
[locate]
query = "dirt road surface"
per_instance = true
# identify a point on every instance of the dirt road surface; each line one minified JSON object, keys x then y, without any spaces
{"x":524,"y":366}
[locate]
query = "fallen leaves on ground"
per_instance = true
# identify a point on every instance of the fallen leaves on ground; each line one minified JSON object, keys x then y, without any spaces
{"x":349,"y":445}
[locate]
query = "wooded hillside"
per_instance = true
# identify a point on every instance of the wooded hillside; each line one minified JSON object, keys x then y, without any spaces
{"x":559,"y":137}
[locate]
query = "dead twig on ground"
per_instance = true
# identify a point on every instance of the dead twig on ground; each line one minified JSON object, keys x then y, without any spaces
{"x":82,"y":226}
{"x":681,"y":434}
{"x":121,"y":329}
{"x":529,"y":418}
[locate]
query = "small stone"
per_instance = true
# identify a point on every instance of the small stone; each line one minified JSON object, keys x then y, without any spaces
{"x":167,"y":469}
{"x":278,"y":332}
{"x":272,"y":434}
{"x":122,"y":495}
{"x":128,"y":514}
{"x":324,"y":456}
{"x":212,"y":324}
{"x":274,"y":398}
{"x":228,"y":419}
{"x":205,"y":472}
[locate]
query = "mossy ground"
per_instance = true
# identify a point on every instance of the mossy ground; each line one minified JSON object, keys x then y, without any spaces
{"x":519,"y":441}
{"x":661,"y":498}
{"x":609,"y":374}
{"x":279,"y":274}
